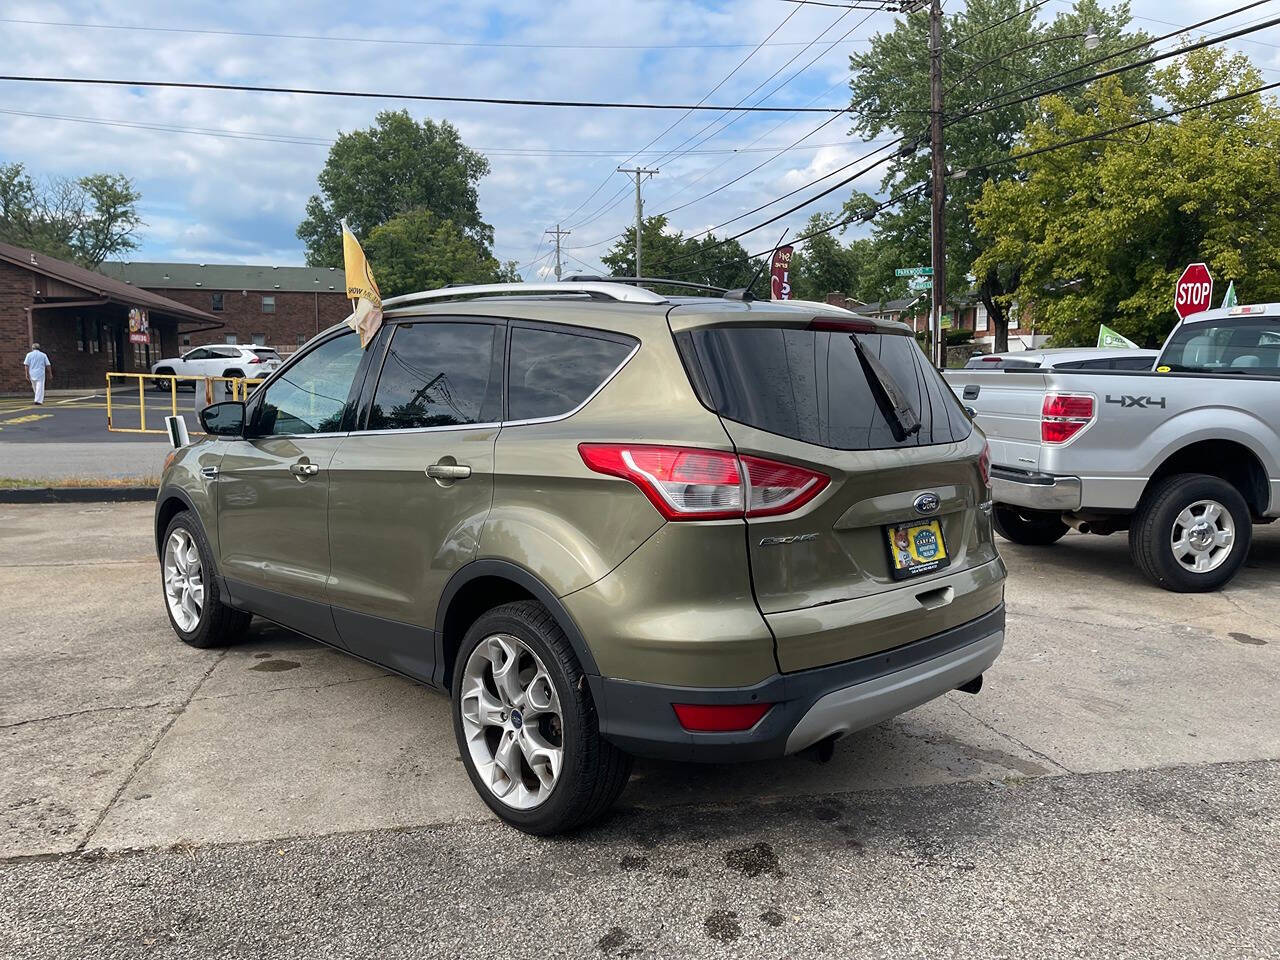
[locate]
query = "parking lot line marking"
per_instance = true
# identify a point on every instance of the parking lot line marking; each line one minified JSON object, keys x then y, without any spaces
{"x":78,"y":399}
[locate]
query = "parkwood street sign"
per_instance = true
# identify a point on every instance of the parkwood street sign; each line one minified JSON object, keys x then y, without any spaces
{"x":913,"y":272}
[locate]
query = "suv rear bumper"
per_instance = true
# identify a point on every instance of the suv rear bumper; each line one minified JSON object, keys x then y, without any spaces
{"x":1035,"y":491}
{"x":809,"y":705}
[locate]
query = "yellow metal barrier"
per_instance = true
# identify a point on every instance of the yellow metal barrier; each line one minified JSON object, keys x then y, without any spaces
{"x":239,"y":388}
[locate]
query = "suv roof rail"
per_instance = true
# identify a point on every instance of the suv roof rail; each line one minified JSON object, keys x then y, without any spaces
{"x":592,"y":278}
{"x":598,"y":290}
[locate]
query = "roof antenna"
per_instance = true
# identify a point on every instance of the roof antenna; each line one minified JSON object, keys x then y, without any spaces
{"x":744,"y":293}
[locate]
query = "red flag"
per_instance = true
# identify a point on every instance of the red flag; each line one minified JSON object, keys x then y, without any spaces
{"x":780,"y":274}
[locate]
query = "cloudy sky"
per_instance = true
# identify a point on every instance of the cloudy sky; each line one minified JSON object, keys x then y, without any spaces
{"x":224,"y":175}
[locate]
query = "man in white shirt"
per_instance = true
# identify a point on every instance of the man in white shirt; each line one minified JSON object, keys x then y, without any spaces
{"x":37,"y":364}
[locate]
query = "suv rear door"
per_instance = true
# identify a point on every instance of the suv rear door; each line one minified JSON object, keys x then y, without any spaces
{"x":411,"y":487}
{"x":825,"y":398}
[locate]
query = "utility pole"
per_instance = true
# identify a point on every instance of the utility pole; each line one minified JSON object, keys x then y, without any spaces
{"x":558,"y":233}
{"x":638,"y":172}
{"x":938,"y":180}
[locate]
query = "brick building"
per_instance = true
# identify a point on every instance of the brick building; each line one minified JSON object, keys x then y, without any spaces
{"x":282,"y":307}
{"x":80,"y":318}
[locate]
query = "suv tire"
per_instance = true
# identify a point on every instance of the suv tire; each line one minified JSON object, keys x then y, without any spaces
{"x":1198,"y":511}
{"x":591,"y":772}
{"x":1031,"y":528}
{"x":230,"y":387}
{"x":162,"y":384}
{"x":195,"y":608}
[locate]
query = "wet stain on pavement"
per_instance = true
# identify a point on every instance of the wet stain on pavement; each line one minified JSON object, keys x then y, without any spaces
{"x":1246,"y":638}
{"x":634,"y":862}
{"x":262,"y":656}
{"x":754,"y":860}
{"x":773,"y":918}
{"x":723,"y":925}
{"x":827,"y":812}
{"x":618,"y":943}
{"x":678,"y":873}
{"x":276,"y":666}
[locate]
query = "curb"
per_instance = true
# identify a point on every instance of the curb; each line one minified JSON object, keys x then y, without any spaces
{"x":77,"y":494}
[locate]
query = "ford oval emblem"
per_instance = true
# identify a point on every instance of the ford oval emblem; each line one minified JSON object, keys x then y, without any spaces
{"x":927,"y":503}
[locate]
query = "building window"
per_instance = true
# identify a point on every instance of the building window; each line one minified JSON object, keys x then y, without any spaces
{"x":268,"y":304}
{"x":229,"y":338}
{"x":217,"y":302}
{"x":302,"y":338}
{"x":259,"y":339}
{"x":82,"y":335}
{"x":185,"y":340}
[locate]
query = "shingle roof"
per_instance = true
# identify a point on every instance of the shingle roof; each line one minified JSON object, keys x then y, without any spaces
{"x":100,"y":284}
{"x":227,"y":276}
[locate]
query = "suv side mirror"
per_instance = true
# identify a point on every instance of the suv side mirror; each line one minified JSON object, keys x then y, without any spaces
{"x":224,"y":419}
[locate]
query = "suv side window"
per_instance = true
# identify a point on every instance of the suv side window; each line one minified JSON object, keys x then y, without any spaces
{"x":199,"y":353}
{"x":552,"y":372}
{"x":438,"y":374}
{"x":311,"y":395}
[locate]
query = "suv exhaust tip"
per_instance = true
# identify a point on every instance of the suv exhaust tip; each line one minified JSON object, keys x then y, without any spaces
{"x":971,"y":686}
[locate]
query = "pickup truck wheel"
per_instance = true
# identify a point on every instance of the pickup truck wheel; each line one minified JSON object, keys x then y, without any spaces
{"x":526,"y":724}
{"x":1031,"y":528}
{"x":1191,"y":533}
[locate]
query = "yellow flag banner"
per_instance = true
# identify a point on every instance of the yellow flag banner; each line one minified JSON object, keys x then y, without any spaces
{"x":362,"y":289}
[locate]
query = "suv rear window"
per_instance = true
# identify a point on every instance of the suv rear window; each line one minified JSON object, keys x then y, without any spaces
{"x":812,"y":385}
{"x":267,"y":354}
{"x":552,"y":372}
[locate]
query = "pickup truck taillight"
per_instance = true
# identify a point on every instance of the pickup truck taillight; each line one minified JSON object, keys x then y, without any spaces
{"x":1063,"y":415}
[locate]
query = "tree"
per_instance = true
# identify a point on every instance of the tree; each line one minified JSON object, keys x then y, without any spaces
{"x":1099,"y":232}
{"x":85,"y":220}
{"x":393,"y":168}
{"x":420,"y":251}
{"x":824,"y":265}
{"x":989,"y":52}
{"x":668,"y":254}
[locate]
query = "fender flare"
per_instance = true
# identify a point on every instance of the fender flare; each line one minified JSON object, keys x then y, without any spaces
{"x":166,"y":494}
{"x":522,"y":578}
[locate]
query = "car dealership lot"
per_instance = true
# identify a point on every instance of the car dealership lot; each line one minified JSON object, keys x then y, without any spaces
{"x":1116,"y":783}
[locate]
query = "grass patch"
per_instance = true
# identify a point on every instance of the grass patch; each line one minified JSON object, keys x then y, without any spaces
{"x":114,"y":483}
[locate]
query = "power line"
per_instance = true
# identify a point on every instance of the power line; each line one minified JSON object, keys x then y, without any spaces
{"x":999,"y":23}
{"x":395,"y":41}
{"x":436,"y":98}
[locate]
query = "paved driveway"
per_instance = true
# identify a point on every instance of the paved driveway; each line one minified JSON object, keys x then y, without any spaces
{"x":1112,"y":791}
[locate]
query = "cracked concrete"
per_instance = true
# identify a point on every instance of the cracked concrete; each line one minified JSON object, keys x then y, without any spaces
{"x":117,"y":736}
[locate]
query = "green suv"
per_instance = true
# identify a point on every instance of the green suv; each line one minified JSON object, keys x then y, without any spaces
{"x":606,"y":523}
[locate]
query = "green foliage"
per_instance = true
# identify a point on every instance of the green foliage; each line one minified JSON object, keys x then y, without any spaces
{"x":666,"y":254}
{"x":393,"y":168}
{"x":419,"y":251}
{"x":84,"y":220}
{"x":1100,"y":231}
{"x":824,"y":265}
{"x":1000,"y":53}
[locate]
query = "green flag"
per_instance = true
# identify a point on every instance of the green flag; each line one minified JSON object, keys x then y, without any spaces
{"x":1109,"y":338}
{"x":1230,"y":299}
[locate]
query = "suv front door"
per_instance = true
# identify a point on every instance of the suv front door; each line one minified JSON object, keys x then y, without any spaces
{"x":410,"y":492}
{"x":273,"y":488}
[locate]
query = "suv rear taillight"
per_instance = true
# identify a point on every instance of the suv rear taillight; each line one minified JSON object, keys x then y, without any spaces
{"x":256,"y":360}
{"x":686,"y":483}
{"x":1063,"y":415}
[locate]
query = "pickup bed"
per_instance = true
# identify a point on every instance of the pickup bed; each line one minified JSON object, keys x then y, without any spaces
{"x":1185,"y":457}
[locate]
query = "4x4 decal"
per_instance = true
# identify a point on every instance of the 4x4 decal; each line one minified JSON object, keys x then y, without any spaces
{"x":1144,"y":402}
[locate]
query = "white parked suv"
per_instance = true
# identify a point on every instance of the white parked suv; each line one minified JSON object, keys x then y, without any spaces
{"x":218,"y":360}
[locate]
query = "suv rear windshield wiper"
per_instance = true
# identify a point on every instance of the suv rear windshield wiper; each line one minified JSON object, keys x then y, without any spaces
{"x":903,"y":419}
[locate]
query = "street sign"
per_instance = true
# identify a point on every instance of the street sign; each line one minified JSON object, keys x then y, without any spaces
{"x":919,"y":283}
{"x":913,"y":272}
{"x":1193,"y":291}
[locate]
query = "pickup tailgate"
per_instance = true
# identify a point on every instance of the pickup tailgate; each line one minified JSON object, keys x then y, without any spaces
{"x":1008,"y":404}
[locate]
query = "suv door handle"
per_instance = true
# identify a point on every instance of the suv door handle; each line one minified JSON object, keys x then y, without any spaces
{"x":304,"y":469}
{"x":448,"y":471}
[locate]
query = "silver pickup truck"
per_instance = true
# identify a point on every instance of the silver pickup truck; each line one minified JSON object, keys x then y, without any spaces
{"x":1186,"y":457}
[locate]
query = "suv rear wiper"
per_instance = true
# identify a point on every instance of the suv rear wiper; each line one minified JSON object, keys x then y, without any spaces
{"x":903,"y":418}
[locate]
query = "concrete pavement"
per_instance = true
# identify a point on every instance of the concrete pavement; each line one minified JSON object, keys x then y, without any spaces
{"x":1121,"y":759}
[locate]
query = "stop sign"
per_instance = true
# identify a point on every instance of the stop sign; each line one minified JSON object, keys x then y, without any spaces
{"x":1194,"y":290}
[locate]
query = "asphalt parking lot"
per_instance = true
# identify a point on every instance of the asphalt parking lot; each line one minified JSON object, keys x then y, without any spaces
{"x":1113,"y":791}
{"x":81,"y":417}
